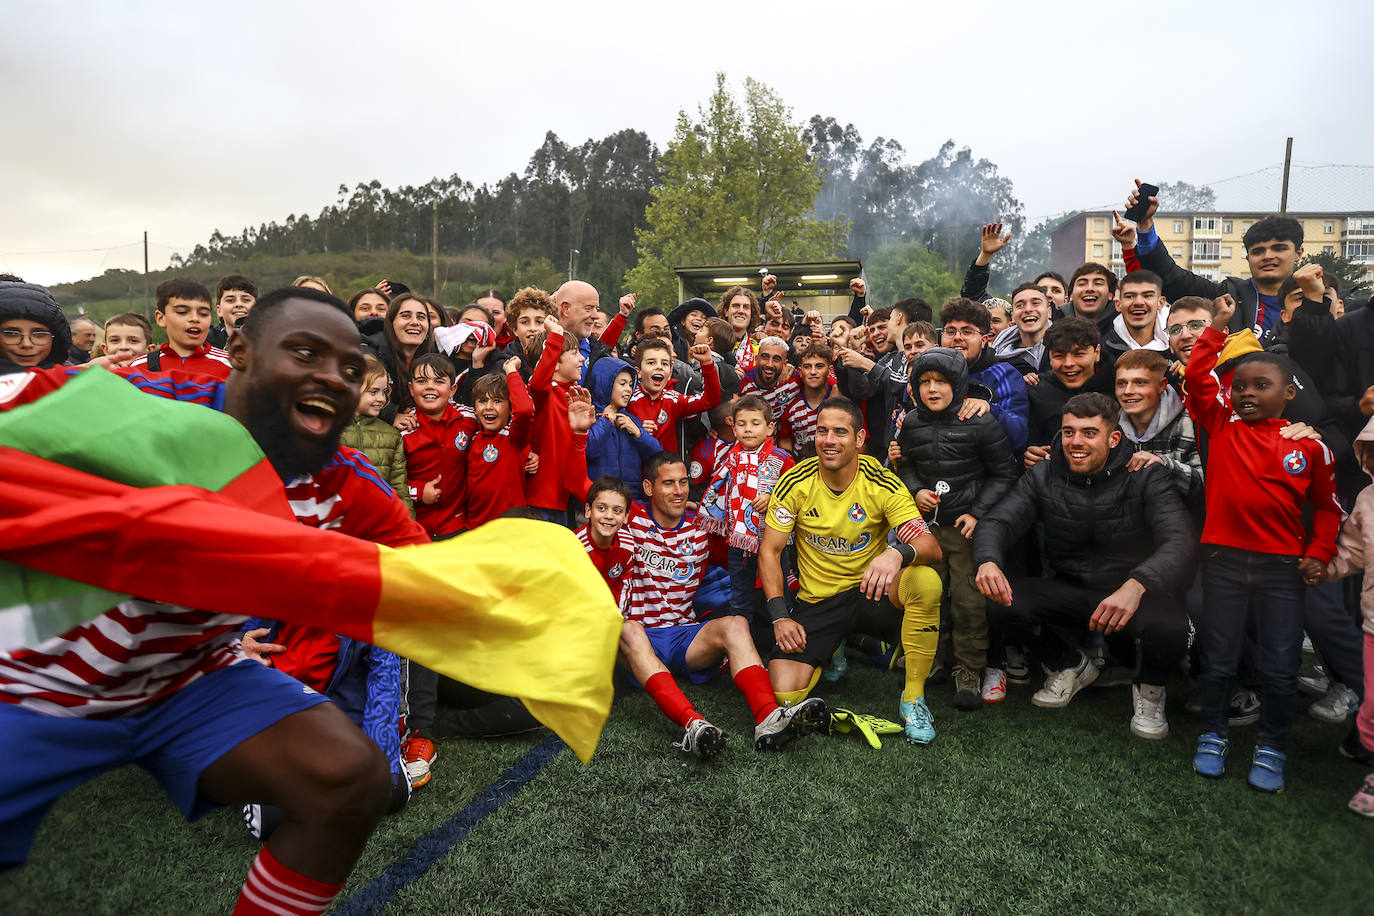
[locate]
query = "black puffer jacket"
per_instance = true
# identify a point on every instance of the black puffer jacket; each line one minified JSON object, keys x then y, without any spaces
{"x":1100,"y":529}
{"x":34,"y":303}
{"x":972,"y":456}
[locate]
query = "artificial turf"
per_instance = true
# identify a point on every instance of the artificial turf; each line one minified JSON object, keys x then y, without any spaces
{"x":1012,"y":809}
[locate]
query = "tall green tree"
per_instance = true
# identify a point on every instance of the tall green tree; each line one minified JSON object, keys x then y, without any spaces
{"x":738,"y":185}
{"x":902,"y":269}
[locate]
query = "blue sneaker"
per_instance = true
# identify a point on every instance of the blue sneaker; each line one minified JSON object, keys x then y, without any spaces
{"x":1266,"y":770}
{"x":1210,"y":758}
{"x":836,"y":667}
{"x":919,"y":723}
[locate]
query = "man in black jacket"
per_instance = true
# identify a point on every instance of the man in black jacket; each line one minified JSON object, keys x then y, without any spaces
{"x":1273,"y":248}
{"x":1121,"y":545}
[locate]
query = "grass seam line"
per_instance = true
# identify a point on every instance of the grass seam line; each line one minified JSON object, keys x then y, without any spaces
{"x":432,"y":847}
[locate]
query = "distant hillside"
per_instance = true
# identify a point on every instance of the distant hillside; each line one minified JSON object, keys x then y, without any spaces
{"x":461,"y":277}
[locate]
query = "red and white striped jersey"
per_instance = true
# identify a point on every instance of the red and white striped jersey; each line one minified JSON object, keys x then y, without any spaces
{"x":778,"y":397}
{"x":141,"y":652}
{"x":617,"y":563}
{"x":799,"y":421}
{"x":672,"y":563}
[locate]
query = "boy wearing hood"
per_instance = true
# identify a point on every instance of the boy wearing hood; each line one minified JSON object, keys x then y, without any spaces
{"x":617,"y":443}
{"x":956,"y":470}
{"x":33,"y":330}
{"x":1142,"y":315}
{"x":1154,"y":424}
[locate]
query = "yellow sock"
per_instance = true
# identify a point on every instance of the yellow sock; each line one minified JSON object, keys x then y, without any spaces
{"x":920,"y":591}
{"x":793,"y":697}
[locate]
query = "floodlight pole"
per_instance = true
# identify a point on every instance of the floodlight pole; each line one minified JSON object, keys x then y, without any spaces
{"x":1287,"y":165}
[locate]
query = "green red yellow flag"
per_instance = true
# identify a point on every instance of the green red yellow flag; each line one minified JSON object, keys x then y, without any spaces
{"x":107,"y":492}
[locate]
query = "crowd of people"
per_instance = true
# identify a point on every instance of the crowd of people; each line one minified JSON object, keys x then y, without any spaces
{"x":1116,"y":480}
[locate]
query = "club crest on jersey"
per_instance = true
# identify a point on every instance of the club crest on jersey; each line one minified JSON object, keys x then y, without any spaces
{"x":662,"y":416}
{"x":695,"y":470}
{"x":616,"y":571}
{"x":1295,"y":462}
{"x":460,"y":441}
{"x":489,"y":454}
{"x":857,"y":513}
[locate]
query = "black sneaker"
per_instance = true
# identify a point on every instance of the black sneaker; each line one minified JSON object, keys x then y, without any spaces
{"x":1353,"y":749}
{"x":787,"y":723}
{"x":968,"y":688}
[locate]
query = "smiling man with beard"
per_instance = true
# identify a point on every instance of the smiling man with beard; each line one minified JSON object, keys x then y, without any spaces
{"x":1121,"y":546}
{"x":171,"y":688}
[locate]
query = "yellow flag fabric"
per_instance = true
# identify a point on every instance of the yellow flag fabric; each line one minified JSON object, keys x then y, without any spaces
{"x":543,"y":628}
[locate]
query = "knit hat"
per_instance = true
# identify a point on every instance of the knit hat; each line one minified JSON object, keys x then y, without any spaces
{"x":679,"y":314}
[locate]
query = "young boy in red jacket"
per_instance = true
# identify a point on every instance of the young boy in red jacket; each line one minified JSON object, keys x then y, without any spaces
{"x":436,"y":447}
{"x":183,"y":308}
{"x":1257,"y":551}
{"x":661,"y":409}
{"x":562,"y":470}
{"x":496,"y":457}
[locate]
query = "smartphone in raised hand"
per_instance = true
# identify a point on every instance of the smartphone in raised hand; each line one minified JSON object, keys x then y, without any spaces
{"x":1142,"y":202}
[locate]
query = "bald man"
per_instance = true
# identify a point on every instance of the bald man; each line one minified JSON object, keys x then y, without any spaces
{"x":577,"y":304}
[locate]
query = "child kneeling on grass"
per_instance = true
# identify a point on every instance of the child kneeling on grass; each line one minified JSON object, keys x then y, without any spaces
{"x":1257,"y":551}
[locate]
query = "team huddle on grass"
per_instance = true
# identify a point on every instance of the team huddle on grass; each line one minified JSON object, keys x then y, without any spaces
{"x":1114,"y":480}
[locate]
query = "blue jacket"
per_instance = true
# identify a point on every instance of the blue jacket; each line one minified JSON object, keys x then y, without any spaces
{"x":366,"y":686}
{"x":1010,"y":401}
{"x":609,"y":450}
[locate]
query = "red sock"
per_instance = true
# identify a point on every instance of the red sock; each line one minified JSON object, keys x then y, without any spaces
{"x":758,"y":691}
{"x":668,"y":695}
{"x":272,"y":888}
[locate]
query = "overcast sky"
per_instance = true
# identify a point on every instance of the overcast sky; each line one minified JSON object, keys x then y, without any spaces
{"x":180,"y":118}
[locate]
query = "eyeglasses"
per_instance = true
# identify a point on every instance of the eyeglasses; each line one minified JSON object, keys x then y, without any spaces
{"x":14,"y":335}
{"x":1197,"y":324}
{"x":961,"y":332}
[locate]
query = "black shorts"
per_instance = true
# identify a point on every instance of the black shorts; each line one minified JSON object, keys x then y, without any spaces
{"x":829,"y":622}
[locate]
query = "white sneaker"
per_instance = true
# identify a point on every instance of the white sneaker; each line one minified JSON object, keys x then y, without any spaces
{"x":1317,"y":683}
{"x":994,"y":685}
{"x":1061,"y":686}
{"x":701,"y":739}
{"x":1148,"y":719}
{"x":1340,"y":701}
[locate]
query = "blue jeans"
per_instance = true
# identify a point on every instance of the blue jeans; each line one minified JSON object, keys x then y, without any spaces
{"x":745,"y":596}
{"x":1265,"y":589}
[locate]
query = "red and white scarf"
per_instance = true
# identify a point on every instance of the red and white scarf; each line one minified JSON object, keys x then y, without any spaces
{"x":727,"y":507}
{"x":744,"y":354}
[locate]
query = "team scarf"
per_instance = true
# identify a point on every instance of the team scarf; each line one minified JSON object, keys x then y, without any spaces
{"x":449,"y":339}
{"x":107,"y":492}
{"x":744,"y":354}
{"x":728,"y":504}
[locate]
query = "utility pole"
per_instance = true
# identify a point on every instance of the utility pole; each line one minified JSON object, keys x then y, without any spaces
{"x":147,"y":303}
{"x":1287,"y":164}
{"x":434,"y":247}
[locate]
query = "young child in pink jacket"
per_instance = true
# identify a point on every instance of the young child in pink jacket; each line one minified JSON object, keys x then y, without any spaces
{"x":1355,"y":553}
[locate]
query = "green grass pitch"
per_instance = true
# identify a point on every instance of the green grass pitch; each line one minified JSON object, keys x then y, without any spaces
{"x":1012,"y":810}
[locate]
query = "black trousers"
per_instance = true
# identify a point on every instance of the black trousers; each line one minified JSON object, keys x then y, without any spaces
{"x":1160,"y":624}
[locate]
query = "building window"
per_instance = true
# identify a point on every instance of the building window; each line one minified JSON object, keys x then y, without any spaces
{"x":1245,"y":226}
{"x":1226,"y":227}
{"x":1177,"y":253}
{"x":1099,"y":225}
{"x":1360,"y":252}
{"x":1206,"y":224}
{"x":1209,"y":251}
{"x":1329,"y":227}
{"x":1178,"y":227}
{"x":1097,"y":249}
{"x":1226,"y":251}
{"x":1360,"y":225}
{"x":1328,"y":249}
